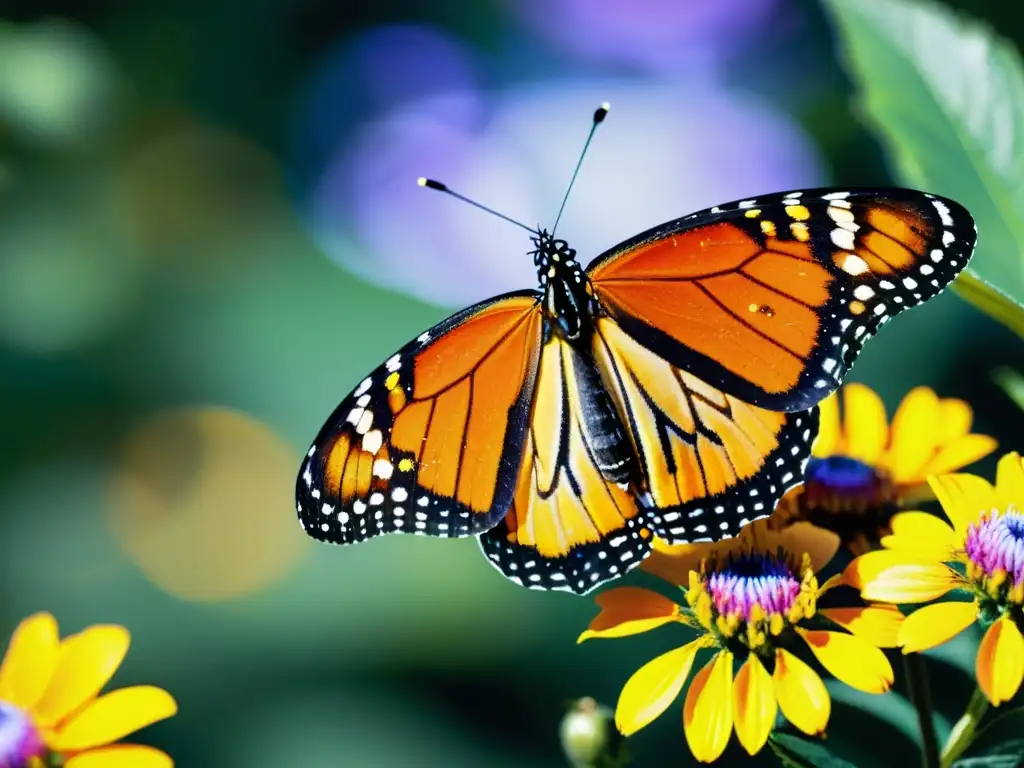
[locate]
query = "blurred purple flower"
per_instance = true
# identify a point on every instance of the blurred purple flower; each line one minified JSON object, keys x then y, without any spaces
{"x":380,"y":70}
{"x":665,"y":150}
{"x":663,"y":35}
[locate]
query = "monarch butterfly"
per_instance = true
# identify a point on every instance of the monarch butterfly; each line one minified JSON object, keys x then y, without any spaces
{"x":668,"y":389}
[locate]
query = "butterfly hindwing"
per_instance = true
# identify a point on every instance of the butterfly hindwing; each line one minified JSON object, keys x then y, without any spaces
{"x":709,"y":463}
{"x":771,"y":299}
{"x":574,"y":522}
{"x":431,"y":441}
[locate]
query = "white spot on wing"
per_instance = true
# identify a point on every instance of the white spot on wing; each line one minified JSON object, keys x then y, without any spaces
{"x":372,"y":441}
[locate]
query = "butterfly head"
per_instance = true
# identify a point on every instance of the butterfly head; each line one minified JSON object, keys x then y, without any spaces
{"x":568,"y":295}
{"x":551,"y":256}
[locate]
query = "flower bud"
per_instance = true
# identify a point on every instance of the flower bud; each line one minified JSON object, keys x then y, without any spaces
{"x":589,"y":737}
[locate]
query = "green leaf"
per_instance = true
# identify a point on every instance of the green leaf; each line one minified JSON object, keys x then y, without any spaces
{"x":999,"y":744}
{"x":946,"y":97}
{"x":1007,"y":755}
{"x":1012,"y":383}
{"x":797,"y":752}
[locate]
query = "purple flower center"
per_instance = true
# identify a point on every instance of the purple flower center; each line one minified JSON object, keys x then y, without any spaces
{"x":753,"y":579}
{"x":840,"y":482}
{"x":841,"y":473}
{"x":19,"y":740}
{"x":997,"y":544}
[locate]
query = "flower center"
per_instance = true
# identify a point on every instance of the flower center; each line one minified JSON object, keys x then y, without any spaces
{"x":849,"y":497}
{"x":995,"y":551}
{"x":19,"y":739}
{"x":839,"y":483}
{"x":752,"y":596}
{"x":753,"y":580}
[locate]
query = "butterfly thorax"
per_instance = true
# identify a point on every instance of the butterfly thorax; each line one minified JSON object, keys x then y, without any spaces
{"x":568,"y":296}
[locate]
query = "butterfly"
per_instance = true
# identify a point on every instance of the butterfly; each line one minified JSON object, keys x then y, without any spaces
{"x":668,"y":389}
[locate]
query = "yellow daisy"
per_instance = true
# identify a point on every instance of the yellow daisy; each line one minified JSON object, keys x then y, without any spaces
{"x":753,"y":599}
{"x":979,"y":555}
{"x":864,"y":469}
{"x":50,"y":704}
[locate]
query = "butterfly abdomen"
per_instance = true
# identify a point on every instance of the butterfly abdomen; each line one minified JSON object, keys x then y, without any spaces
{"x":605,"y":434}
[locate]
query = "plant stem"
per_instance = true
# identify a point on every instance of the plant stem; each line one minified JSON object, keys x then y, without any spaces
{"x":962,"y":735}
{"x":920,"y":695}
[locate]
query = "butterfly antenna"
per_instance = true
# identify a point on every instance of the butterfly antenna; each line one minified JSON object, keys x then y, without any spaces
{"x":599,"y":115}
{"x":431,"y":184}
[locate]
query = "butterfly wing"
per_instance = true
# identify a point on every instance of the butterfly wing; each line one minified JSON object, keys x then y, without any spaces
{"x":432,"y":440}
{"x":573,"y":522}
{"x":709,"y":462}
{"x":772,"y":299}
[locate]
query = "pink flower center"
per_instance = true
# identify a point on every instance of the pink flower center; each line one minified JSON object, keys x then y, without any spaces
{"x":753,"y":579}
{"x":19,"y":739}
{"x":997,"y":544}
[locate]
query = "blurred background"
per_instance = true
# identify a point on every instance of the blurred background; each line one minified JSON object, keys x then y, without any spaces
{"x":210,"y":230}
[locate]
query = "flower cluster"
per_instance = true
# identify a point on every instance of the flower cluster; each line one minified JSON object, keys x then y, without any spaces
{"x":755,"y":601}
{"x":975,"y":557}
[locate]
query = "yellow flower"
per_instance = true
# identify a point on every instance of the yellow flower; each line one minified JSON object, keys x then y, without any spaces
{"x":981,"y":555}
{"x":863,"y":470}
{"x":50,"y":702}
{"x":753,"y":598}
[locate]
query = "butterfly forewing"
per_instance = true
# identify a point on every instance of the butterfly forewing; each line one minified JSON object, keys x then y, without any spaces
{"x":430,"y":442}
{"x":771,"y":299}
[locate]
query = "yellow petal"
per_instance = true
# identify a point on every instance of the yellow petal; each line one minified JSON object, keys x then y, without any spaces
{"x":959,"y":453}
{"x":923,"y":534}
{"x":878,"y":624}
{"x":867,"y":429}
{"x":1010,"y":482}
{"x":955,"y":419}
{"x":85,"y":663}
{"x":829,"y":429}
{"x":963,"y":498}
{"x":629,"y":611}
{"x":754,"y":704}
{"x":653,"y":687}
{"x":707,"y":713}
{"x":121,"y":756}
{"x":112,"y":717}
{"x":1000,"y":664}
{"x":802,"y":696}
{"x":895,"y":576}
{"x":853,"y":661}
{"x":30,"y":660}
{"x":933,"y":625}
{"x":915,"y":434}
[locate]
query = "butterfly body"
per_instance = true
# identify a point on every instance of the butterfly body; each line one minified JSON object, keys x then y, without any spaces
{"x":669,"y":389}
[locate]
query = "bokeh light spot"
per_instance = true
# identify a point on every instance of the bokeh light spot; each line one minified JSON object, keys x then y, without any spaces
{"x":57,"y":85}
{"x":202,"y":502}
